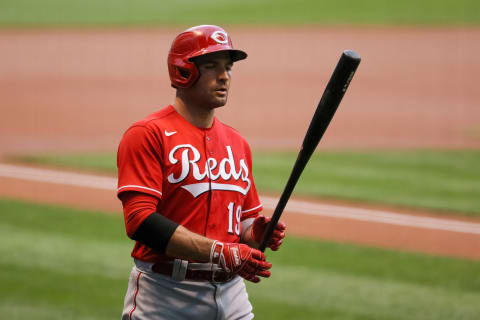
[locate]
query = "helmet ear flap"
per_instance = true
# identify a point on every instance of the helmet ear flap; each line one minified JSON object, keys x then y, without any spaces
{"x":184,"y":77}
{"x":183,"y":73}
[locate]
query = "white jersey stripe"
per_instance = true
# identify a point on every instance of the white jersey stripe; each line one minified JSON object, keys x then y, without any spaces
{"x":259,"y":206}
{"x":134,"y":186}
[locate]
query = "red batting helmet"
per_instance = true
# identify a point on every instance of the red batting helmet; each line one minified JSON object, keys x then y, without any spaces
{"x":192,"y":43}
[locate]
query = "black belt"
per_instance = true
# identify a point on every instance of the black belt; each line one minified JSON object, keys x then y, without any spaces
{"x":166,"y":268}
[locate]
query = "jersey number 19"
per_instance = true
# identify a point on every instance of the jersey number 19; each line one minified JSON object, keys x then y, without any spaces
{"x":238,"y":213}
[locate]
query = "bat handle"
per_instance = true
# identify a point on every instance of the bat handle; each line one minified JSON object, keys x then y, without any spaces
{"x":292,"y":181}
{"x":271,"y":225}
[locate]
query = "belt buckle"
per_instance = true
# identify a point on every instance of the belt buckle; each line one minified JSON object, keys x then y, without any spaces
{"x":220,"y":276}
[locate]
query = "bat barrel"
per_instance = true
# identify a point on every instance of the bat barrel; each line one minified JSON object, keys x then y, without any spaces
{"x":333,"y":94}
{"x":343,"y":73}
{"x":352,"y":55}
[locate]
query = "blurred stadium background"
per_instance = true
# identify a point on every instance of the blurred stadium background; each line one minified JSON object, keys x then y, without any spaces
{"x":406,"y":138}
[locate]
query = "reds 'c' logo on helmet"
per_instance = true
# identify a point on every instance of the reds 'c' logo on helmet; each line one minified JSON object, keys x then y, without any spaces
{"x":192,"y":43}
{"x":220,"y":36}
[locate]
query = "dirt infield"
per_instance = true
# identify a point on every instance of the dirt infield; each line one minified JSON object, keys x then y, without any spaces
{"x":78,"y":90}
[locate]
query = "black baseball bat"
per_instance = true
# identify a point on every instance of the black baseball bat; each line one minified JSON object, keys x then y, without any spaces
{"x":333,"y":94}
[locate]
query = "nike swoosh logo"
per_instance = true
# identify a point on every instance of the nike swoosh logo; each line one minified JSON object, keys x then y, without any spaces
{"x":168,"y":134}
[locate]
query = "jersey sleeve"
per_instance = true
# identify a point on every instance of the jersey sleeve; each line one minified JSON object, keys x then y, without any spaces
{"x":251,"y":205}
{"x":139,"y":162}
{"x":136,"y":208}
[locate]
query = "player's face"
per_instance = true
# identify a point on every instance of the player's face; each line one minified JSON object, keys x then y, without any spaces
{"x":211,"y":88}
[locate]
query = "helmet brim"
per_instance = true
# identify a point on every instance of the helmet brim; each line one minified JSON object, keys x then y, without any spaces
{"x":235,"y":54}
{"x":238,"y":55}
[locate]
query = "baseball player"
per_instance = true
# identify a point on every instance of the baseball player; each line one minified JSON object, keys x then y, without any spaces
{"x":189,"y":198}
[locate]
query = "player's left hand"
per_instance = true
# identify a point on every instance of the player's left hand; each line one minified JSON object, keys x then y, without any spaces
{"x":238,"y":258}
{"x":258,"y":230}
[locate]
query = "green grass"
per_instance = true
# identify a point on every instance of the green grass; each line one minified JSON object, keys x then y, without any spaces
{"x":240,"y":12}
{"x":435,"y":180}
{"x":442,"y":181}
{"x":96,"y":162}
{"x":59,"y":263}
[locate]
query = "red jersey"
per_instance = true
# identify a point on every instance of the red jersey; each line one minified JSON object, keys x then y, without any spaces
{"x":202,"y":177}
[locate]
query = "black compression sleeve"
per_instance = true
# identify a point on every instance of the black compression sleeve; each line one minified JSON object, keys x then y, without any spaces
{"x":155,"y":232}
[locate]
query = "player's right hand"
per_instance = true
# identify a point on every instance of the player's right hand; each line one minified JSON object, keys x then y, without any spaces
{"x":259,"y":226}
{"x":237,"y":258}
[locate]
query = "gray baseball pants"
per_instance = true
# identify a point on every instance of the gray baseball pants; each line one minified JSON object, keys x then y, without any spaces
{"x":153,"y":296}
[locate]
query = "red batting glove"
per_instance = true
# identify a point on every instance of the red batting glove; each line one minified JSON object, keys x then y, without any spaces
{"x":258,"y":230}
{"x":237,"y":258}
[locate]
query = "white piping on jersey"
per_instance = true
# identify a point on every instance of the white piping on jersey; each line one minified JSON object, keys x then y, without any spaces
{"x":134,"y":186}
{"x":245,"y":211}
{"x":197,"y":189}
